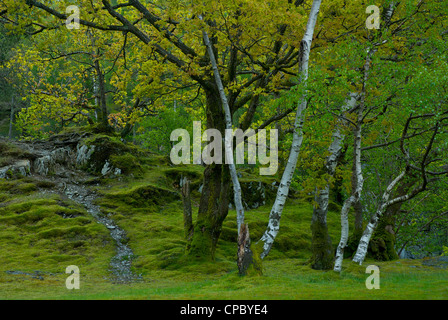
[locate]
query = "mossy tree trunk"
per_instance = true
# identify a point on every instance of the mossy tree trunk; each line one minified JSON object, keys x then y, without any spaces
{"x":359,"y":219}
{"x":321,"y":246}
{"x":213,"y":209}
{"x":353,"y":239}
{"x":382,"y":244}
{"x":214,"y":201}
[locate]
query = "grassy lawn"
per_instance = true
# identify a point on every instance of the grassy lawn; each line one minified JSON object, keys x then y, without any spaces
{"x":283,"y":279}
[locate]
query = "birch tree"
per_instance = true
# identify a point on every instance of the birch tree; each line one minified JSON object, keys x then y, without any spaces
{"x":273,"y":227}
{"x":227,"y":140}
{"x":322,"y":257}
{"x":357,"y":177}
{"x":283,"y":188}
{"x":421,"y":168}
{"x":243,"y":231}
{"x":357,"y":185}
{"x":399,"y":188}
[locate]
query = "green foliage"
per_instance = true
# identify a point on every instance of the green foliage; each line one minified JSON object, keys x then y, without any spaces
{"x":445,"y":251}
{"x":154,"y":132}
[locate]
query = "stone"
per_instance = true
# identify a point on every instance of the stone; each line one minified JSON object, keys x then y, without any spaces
{"x":106,"y":168}
{"x":50,"y":162}
{"x":20,"y":167}
{"x":83,"y":154}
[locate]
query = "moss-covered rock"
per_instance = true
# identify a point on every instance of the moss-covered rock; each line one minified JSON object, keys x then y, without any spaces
{"x":9,"y":153}
{"x":126,"y":163}
{"x":101,"y":154}
{"x":193,"y":172}
{"x":144,"y":196}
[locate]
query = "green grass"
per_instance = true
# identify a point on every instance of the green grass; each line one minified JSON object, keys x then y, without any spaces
{"x":34,"y":235}
{"x":41,"y":231}
{"x":283,"y":279}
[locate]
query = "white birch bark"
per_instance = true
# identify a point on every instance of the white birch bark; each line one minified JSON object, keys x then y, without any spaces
{"x":283,"y":189}
{"x":389,"y":12}
{"x":227,"y":140}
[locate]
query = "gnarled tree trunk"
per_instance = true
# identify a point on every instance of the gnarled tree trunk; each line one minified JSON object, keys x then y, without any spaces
{"x":247,"y":262}
{"x":214,"y":201}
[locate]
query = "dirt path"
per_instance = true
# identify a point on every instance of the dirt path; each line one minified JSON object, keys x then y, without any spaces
{"x":121,"y":263}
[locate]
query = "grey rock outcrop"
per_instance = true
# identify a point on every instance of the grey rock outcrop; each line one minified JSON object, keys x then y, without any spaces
{"x":19,"y":167}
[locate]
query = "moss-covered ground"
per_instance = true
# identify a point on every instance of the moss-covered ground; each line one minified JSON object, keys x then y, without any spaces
{"x":41,"y":233}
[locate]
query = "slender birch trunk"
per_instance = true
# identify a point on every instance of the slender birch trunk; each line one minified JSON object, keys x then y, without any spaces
{"x":274,"y":217}
{"x":371,"y":226}
{"x":357,"y":178}
{"x":101,"y":94}
{"x":245,"y":254}
{"x":357,"y":185}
